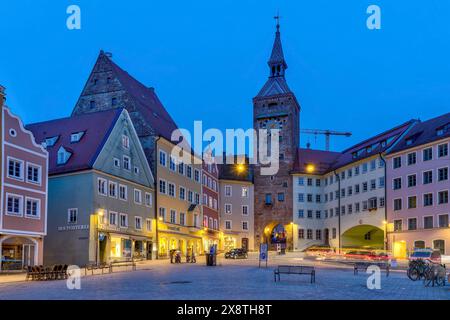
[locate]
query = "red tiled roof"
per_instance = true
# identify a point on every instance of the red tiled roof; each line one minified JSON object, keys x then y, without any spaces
{"x":322,"y":160}
{"x":146,"y":102}
{"x":96,"y":127}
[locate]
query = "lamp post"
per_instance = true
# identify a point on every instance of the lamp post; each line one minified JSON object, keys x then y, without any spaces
{"x":385,"y":235}
{"x":292,"y":229}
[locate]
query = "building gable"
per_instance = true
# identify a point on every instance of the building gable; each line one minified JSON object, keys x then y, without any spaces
{"x":123,"y":148}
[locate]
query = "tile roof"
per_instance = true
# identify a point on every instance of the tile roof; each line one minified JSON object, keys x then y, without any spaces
{"x":145,"y":100}
{"x":322,"y":160}
{"x":424,"y":132}
{"x":326,"y":161}
{"x":229,"y":172}
{"x":96,"y":127}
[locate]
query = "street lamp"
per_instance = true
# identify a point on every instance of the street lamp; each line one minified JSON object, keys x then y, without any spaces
{"x":310,"y":168}
{"x":385,"y":234}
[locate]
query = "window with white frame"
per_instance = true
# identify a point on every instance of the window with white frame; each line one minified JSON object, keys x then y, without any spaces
{"x":126,"y":163}
{"x":189,"y":172}
{"x":190,"y":196}
{"x":148,"y":199}
{"x":182,"y":193}
{"x":245,"y":210}
{"x":33,"y":173}
{"x":228,"y":224}
{"x":123,"y":192}
{"x":113,"y":218}
{"x":32,"y":207}
{"x":245,"y":225}
{"x":182,"y":218}
{"x":136,"y":170}
{"x":227,"y":191}
{"x":116,"y":162}
{"x":148,"y":223}
{"x":172,"y":163}
{"x":138,"y":223}
{"x":125,"y":141}
{"x":442,"y":150}
{"x":227,"y":208}
{"x":162,"y":213}
{"x":137,"y":196}
{"x":162,"y":187}
{"x":244,"y":192}
{"x":216,"y":224}
{"x":124,"y":220}
{"x":196,"y":175}
{"x":173,"y":216}
{"x":72,"y":215}
{"x":197,"y":198}
{"x":15,"y":168}
{"x":162,"y":158}
{"x":112,"y":189}
{"x":14,"y":205}
{"x":171,"y":189}
{"x":101,"y":186}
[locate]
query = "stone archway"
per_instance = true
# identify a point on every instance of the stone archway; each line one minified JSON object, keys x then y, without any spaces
{"x":23,"y":251}
{"x":363,"y":236}
{"x":277,"y":233}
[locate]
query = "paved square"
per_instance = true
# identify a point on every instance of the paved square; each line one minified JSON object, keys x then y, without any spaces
{"x":236,"y":280}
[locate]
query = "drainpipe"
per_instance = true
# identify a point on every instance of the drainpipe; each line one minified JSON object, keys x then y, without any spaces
{"x":156,"y":197}
{"x":385,"y":202}
{"x":339,"y":206}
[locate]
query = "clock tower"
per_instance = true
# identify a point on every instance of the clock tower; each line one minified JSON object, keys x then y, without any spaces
{"x":276,"y":107}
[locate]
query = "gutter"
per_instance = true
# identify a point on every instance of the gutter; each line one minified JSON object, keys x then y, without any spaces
{"x":339,"y":208}
{"x":385,"y":201}
{"x":156,"y":197}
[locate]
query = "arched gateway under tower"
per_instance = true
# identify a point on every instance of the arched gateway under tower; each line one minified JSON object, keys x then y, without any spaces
{"x":276,"y":107}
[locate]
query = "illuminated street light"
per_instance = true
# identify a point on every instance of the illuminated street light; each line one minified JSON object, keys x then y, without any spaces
{"x":310,"y":168}
{"x":240,"y":168}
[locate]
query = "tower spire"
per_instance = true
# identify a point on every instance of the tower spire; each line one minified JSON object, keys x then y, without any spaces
{"x":277,"y":63}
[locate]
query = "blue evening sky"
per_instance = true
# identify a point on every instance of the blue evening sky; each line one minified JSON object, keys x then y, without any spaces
{"x":207,"y":59}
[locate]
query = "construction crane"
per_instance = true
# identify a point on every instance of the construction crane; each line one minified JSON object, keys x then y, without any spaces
{"x":327,"y":134}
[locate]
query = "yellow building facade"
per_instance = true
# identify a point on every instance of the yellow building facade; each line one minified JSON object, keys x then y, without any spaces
{"x":179,"y":192}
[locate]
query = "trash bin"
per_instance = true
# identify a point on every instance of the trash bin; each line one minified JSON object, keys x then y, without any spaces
{"x":211,"y":259}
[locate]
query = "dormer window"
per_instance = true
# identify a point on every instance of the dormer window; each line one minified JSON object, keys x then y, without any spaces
{"x":63,"y":156}
{"x":95,"y":81}
{"x":440,"y":132}
{"x":114,"y":101}
{"x":409,"y":141}
{"x":76,"y":137}
{"x":92,"y":104}
{"x":50,"y":142}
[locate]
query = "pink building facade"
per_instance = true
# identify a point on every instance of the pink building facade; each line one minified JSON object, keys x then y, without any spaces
{"x":23,"y":210}
{"x":418,"y":184}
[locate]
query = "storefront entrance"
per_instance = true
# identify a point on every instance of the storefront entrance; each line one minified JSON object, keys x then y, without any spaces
{"x":17,"y":253}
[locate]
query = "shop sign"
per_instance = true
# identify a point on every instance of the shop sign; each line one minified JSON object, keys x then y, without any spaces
{"x":74,"y":228}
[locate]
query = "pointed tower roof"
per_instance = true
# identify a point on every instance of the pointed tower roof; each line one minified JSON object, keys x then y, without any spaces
{"x":277,"y":56}
{"x":276,"y":84}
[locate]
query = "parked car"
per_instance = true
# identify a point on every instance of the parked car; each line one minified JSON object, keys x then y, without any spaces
{"x":366,"y":255}
{"x":426,"y":254}
{"x":236,"y":254}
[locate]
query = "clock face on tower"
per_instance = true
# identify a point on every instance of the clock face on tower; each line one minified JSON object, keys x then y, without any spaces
{"x":271,"y":123}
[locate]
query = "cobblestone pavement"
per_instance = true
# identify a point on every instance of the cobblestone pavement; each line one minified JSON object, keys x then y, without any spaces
{"x":241,"y":279}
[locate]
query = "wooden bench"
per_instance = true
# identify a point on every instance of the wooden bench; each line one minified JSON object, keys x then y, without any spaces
{"x":364,"y":265}
{"x":124,"y":263}
{"x":94,"y":266}
{"x":306,"y":270}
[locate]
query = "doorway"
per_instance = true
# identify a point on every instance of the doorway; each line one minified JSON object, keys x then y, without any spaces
{"x":245,"y":244}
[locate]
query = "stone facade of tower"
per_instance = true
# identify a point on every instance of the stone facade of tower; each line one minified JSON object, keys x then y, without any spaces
{"x":109,"y":87}
{"x":276,"y":107}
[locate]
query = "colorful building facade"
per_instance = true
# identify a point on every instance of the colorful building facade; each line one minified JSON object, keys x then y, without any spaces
{"x":236,"y":203}
{"x":23,"y":212}
{"x":101,"y":196}
{"x":340,"y":197}
{"x":418,"y":185}
{"x":210,"y":202}
{"x":179,"y":202}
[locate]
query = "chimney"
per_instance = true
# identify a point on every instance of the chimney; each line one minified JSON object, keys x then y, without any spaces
{"x":2,"y":95}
